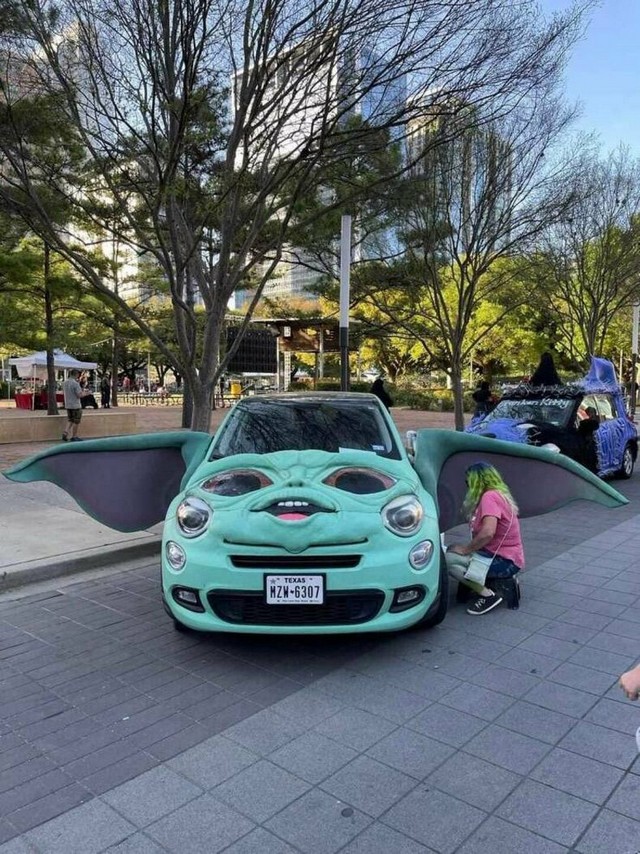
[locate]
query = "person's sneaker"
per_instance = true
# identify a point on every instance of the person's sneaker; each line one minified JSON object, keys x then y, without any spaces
{"x":75,"y":439}
{"x":484,"y":604}
{"x":64,"y":437}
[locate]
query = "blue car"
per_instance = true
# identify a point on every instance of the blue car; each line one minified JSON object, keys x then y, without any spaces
{"x":586,"y":420}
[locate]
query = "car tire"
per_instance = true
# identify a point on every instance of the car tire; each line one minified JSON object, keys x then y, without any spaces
{"x":180,"y":627}
{"x":434,"y":618}
{"x":628,"y":461}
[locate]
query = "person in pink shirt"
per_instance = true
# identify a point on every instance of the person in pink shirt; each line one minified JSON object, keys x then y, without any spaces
{"x":495,"y":544}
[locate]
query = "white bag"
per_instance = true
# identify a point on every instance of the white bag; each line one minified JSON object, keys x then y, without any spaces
{"x":478,"y":568}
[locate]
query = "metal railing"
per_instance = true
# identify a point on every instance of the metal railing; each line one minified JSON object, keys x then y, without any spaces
{"x":143,"y":398}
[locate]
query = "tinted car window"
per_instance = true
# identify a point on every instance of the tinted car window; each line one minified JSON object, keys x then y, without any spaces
{"x":302,"y":425}
{"x":547,"y":410}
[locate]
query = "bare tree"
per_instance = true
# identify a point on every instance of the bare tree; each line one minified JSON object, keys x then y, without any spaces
{"x":204,"y":123}
{"x":590,"y":258}
{"x":476,"y":200}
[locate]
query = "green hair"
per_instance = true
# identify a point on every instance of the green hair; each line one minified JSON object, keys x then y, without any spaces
{"x":480,"y":478}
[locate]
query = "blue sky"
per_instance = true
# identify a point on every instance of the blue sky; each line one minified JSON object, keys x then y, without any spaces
{"x":604,"y":72}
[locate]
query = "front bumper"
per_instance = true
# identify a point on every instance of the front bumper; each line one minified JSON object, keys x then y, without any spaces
{"x":358,"y":599}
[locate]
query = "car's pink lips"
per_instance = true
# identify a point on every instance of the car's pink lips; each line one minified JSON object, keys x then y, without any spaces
{"x":294,"y":509}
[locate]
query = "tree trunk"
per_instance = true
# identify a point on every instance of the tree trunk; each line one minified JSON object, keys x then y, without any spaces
{"x":52,"y":405}
{"x":458,"y":396}
{"x":187,"y":406}
{"x":115,"y":356}
{"x":201,"y":399}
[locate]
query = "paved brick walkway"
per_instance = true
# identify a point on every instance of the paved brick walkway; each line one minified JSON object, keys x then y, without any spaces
{"x":489,"y":735}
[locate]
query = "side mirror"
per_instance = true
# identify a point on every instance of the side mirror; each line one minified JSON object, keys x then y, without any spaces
{"x":410,"y":439}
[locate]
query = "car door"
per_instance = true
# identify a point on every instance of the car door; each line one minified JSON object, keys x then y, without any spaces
{"x":610,"y":436}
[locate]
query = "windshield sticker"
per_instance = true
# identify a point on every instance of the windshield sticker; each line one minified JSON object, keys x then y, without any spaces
{"x":558,"y":403}
{"x":377,"y":447}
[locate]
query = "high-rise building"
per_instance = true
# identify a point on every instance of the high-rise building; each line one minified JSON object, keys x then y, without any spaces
{"x":297,"y":110}
{"x":464,"y":170}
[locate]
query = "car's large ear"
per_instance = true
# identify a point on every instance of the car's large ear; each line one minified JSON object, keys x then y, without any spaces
{"x":125,"y":482}
{"x":540,"y":480}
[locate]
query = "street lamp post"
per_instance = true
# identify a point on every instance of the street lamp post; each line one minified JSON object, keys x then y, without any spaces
{"x":345,"y":268}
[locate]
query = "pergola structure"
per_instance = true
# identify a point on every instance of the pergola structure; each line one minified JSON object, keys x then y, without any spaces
{"x":318,"y":335}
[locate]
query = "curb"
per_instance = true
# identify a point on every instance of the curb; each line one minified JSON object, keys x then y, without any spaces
{"x":30,"y":572}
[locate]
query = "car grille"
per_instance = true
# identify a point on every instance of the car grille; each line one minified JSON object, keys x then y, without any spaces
{"x":348,"y":607}
{"x":295,"y":561}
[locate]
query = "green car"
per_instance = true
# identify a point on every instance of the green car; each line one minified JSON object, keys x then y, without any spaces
{"x":304,"y":513}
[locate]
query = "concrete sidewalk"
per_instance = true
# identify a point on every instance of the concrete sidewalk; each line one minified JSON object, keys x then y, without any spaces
{"x":45,"y":534}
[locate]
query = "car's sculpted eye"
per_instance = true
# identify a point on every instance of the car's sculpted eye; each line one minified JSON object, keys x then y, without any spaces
{"x":238,"y":482}
{"x":360,"y":481}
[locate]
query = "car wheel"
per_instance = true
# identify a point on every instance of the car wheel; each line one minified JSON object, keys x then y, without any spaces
{"x":626,"y":469}
{"x":434,"y":618}
{"x":180,"y":627}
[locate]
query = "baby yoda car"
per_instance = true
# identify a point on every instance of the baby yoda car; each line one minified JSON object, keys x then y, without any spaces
{"x":304,"y":513}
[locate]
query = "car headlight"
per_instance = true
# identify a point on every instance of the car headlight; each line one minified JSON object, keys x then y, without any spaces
{"x":176,"y":556}
{"x":193,"y":515}
{"x":403,"y":516}
{"x":420,"y":554}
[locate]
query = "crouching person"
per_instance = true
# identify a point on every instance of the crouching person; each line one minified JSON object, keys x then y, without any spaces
{"x":488,"y":564}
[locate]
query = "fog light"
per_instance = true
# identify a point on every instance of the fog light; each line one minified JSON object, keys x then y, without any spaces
{"x":188,"y":598}
{"x":175,"y":556}
{"x":407,"y":597}
{"x":420,"y":555}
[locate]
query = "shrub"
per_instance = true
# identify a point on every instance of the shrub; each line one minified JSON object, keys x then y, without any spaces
{"x":427,"y":400}
{"x":328,"y":384}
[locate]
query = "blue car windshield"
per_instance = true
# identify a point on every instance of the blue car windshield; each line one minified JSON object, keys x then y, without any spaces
{"x":264,"y":426}
{"x":546,"y":410}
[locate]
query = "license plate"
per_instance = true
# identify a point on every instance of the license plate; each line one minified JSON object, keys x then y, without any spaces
{"x":294,"y":589}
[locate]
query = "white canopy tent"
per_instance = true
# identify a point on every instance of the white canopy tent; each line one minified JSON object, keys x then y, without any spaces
{"x":35,"y":365}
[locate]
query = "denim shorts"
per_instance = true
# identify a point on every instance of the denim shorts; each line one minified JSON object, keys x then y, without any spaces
{"x":501,"y":567}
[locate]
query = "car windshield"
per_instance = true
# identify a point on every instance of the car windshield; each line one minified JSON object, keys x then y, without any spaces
{"x":546,"y":410}
{"x":261,"y":427}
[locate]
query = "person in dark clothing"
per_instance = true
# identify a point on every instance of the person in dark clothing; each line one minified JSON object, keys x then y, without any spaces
{"x":483,"y":399}
{"x":545,"y":373}
{"x":381,"y":393}
{"x":88,"y":399}
{"x":105,"y":392}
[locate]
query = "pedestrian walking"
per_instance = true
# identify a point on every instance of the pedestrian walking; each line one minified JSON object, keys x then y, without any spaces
{"x":73,"y":394}
{"x":105,"y":391}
